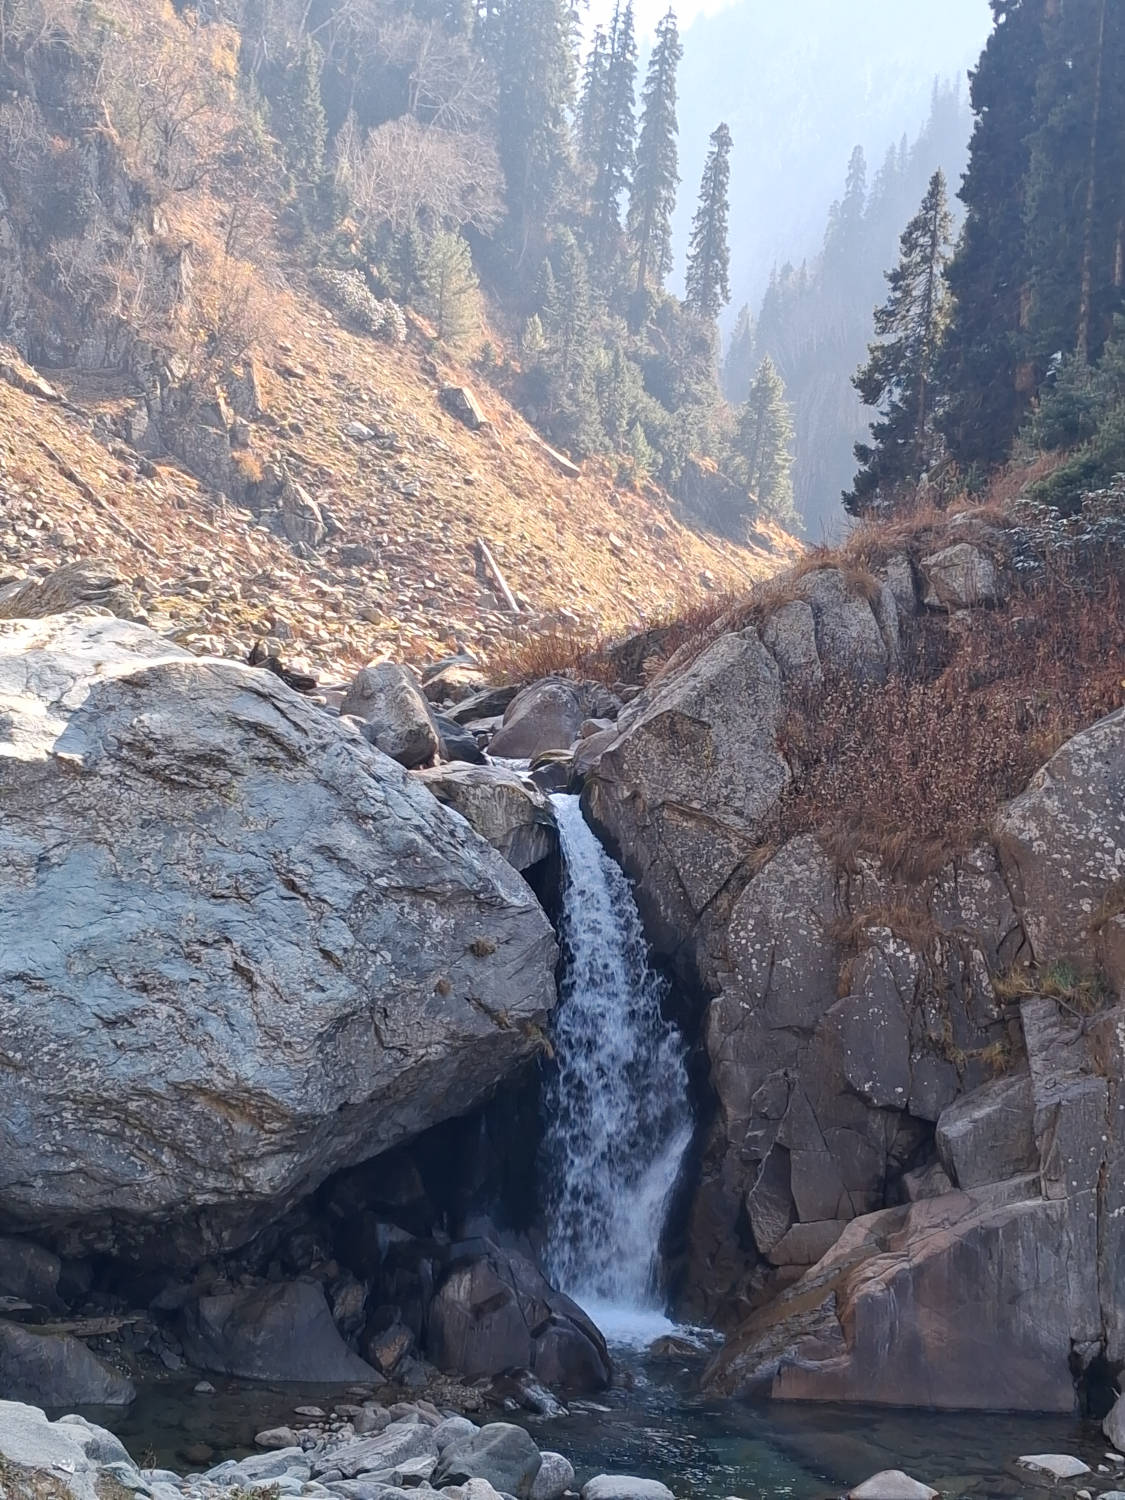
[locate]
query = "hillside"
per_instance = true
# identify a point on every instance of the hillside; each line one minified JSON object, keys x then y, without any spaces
{"x":398,"y":574}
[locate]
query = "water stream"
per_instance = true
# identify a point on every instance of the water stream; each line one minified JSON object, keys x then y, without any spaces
{"x":618,"y":1120}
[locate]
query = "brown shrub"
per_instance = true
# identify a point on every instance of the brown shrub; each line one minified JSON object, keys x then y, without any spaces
{"x":912,"y":770}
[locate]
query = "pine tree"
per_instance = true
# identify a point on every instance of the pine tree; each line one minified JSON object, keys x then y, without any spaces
{"x":765,"y":442}
{"x":656,"y":178}
{"x":535,"y":92}
{"x":739,"y":363}
{"x":1075,"y":200}
{"x":986,"y":383}
{"x":899,"y":377}
{"x":297,"y":117}
{"x":616,"y":146}
{"x":707,"y":284}
{"x":567,"y":318}
{"x":592,"y":99}
{"x":449,"y":286}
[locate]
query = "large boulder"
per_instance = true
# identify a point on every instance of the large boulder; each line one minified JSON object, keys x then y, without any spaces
{"x":501,"y":1453}
{"x":548,"y":715}
{"x":959,"y":577}
{"x":282,"y":1331}
{"x":54,"y":1369}
{"x":394,"y":713}
{"x":266,"y":952}
{"x":1063,"y":846}
{"x":29,"y":1273}
{"x":511,"y":813}
{"x":495,"y":1311}
{"x":848,"y":638}
{"x":693,"y":782}
{"x":53,"y":1458}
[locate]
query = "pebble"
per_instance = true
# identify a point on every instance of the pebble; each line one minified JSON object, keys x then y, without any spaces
{"x":203,"y":1388}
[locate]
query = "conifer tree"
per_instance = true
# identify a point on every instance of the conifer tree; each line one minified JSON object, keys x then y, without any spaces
{"x":592,"y":99}
{"x":765,"y":441}
{"x":567,"y":318}
{"x":449,"y":286}
{"x":985,"y":382}
{"x":535,"y":93}
{"x":899,"y":376}
{"x":738,"y":365}
{"x":656,"y":178}
{"x":616,"y":145}
{"x":297,"y":115}
{"x":707,"y":284}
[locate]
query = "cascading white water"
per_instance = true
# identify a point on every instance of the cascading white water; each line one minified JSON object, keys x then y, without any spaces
{"x":618,"y":1120}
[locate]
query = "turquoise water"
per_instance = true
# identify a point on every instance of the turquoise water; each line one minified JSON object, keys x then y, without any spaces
{"x":655,"y":1424}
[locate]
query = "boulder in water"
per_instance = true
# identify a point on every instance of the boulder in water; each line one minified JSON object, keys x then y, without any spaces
{"x":274,"y":1332}
{"x":55,"y":1369}
{"x":555,"y":1477}
{"x":624,"y":1487}
{"x":892,"y":1484}
{"x":500,"y":1452}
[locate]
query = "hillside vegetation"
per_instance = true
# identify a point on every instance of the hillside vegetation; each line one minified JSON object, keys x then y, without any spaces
{"x":232,"y":405}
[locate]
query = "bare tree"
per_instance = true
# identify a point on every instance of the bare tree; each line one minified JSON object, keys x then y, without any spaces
{"x":405,"y":173}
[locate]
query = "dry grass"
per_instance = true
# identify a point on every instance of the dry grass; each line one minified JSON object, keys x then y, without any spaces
{"x":912,"y":770}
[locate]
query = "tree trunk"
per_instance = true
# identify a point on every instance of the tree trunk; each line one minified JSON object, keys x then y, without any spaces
{"x":1085,"y":290}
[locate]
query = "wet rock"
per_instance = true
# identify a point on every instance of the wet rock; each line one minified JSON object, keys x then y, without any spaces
{"x":892,"y":1484}
{"x":395,"y":715}
{"x":515,"y":818}
{"x":624,"y":1487}
{"x":1057,"y":1465}
{"x":220,"y":847}
{"x":54,"y":1369}
{"x":501,"y":1453}
{"x":959,"y":577}
{"x":495,"y":1311}
{"x":277,"y":1437}
{"x":282,"y":1331}
{"x":555,"y":1477}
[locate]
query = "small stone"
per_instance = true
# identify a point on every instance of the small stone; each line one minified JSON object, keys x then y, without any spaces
{"x":624,"y":1487}
{"x":203,"y":1388}
{"x":1058,"y":1465}
{"x":309,"y":1411}
{"x":278,"y":1437}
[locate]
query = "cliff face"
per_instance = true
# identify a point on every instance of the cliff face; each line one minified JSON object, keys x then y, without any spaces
{"x":909,"y":1187}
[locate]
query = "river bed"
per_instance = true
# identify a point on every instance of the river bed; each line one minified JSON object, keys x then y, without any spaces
{"x":654,"y":1423}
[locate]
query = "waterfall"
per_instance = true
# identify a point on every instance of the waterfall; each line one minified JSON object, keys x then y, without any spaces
{"x":618,"y":1121}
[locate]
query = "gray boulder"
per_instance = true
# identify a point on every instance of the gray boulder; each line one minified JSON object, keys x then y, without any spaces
{"x":1113,"y":1425}
{"x":281,"y":1331}
{"x":790,"y":636}
{"x":29,"y":1272}
{"x":545,"y":716}
{"x":286,"y":954}
{"x":396,"y":1445}
{"x":848,"y":638}
{"x":453,"y":1430}
{"x":457,"y":743}
{"x":503,"y":1454}
{"x":959,"y":577}
{"x":28,"y":1442}
{"x":394,"y":713}
{"x":987,"y":1134}
{"x":1061,"y":843}
{"x":624,"y":1487}
{"x":892,"y":1484}
{"x":54,"y":1369}
{"x":495,"y":1311}
{"x":514,"y":816}
{"x":555,"y":1477}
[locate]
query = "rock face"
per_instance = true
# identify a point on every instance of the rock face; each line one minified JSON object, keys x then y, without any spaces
{"x":512,"y":815}
{"x":495,"y":1311}
{"x":269,"y":1333}
{"x":1063,"y":845}
{"x":959,"y":577}
{"x":395,"y":715}
{"x":692,"y":782}
{"x":53,"y":1369}
{"x":283,"y":952}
